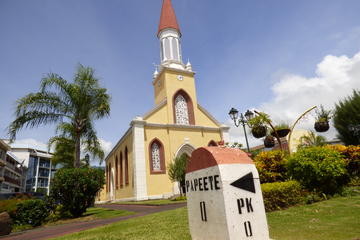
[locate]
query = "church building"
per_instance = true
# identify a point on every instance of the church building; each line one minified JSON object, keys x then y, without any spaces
{"x":136,"y":168}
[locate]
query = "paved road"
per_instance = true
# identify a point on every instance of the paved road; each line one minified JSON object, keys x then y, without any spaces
{"x":55,"y":231}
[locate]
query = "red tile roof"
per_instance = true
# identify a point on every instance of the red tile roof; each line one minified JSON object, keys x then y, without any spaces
{"x":168,"y":17}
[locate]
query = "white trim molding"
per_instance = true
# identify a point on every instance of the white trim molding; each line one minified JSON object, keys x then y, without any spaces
{"x":180,"y":126}
{"x":185,"y":148}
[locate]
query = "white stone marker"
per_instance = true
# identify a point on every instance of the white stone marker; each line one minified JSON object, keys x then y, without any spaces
{"x":224,"y":198}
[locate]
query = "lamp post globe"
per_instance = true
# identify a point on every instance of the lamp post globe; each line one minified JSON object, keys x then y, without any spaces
{"x":249,"y":115}
{"x":234,"y":113}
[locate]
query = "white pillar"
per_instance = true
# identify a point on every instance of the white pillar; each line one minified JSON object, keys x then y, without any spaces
{"x":225,"y":133}
{"x":37,"y":173}
{"x":139,"y":160}
{"x":49,"y":180}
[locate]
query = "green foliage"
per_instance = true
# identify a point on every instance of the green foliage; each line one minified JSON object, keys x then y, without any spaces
{"x":282,"y":126}
{"x":259,"y":120}
{"x":347,"y":113}
{"x":352,"y":155}
{"x":319,"y":169}
{"x":10,"y":205}
{"x":177,"y":170}
{"x":74,"y":106}
{"x":64,"y":153}
{"x":281,"y":195}
{"x":76,"y":188}
{"x":271,"y":166}
{"x":322,"y":115}
{"x":311,"y":139}
{"x":31,"y":212}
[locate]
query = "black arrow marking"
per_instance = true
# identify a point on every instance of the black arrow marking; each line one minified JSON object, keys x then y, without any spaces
{"x":246,"y":183}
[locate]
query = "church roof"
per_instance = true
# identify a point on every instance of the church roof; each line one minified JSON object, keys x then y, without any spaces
{"x":168,"y":17}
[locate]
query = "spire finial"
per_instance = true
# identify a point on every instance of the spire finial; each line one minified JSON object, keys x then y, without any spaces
{"x":168,"y":17}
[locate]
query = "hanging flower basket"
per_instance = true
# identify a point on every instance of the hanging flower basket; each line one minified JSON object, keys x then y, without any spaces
{"x":281,"y":132}
{"x":321,"y":126}
{"x":259,"y":131}
{"x":269,"y":141}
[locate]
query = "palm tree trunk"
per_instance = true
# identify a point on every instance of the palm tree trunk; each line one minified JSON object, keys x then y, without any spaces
{"x":77,"y":151}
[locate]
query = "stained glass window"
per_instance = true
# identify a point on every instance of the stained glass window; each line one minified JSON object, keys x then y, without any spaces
{"x":155,"y":155}
{"x":181,"y":110}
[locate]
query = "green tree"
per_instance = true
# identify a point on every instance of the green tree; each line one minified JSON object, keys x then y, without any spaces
{"x":311,"y":139}
{"x":177,"y":171}
{"x":72,"y":105}
{"x":347,"y":115}
{"x":65,"y":147}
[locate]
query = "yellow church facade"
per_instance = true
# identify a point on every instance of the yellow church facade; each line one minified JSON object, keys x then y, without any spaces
{"x":136,"y":168}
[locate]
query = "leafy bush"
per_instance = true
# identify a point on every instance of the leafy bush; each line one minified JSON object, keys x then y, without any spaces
{"x":10,"y":205}
{"x":280,"y":195}
{"x":32,"y":212}
{"x":352,"y":155}
{"x":318,"y":169}
{"x":271,"y":166}
{"x":76,"y":188}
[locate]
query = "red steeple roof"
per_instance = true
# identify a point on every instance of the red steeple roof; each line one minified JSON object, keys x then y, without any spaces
{"x":168,"y":17}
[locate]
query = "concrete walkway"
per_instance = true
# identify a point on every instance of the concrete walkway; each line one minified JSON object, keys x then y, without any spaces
{"x":59,"y":230}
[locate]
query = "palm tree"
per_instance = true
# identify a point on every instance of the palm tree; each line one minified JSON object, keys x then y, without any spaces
{"x":311,"y":139}
{"x":72,"y":105}
{"x":65,"y":146}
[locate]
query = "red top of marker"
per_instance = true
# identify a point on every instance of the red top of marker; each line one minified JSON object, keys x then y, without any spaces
{"x":206,"y":157}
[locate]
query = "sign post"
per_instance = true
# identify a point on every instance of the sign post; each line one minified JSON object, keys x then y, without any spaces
{"x":224,"y":197}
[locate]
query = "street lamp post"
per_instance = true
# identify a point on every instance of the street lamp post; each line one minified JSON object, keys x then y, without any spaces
{"x":234,"y":115}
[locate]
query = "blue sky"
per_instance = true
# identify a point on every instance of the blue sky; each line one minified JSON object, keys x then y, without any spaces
{"x":246,"y":53}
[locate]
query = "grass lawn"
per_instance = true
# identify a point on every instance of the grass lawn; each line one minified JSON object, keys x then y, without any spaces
{"x":335,"y":219}
{"x":89,"y":215}
{"x":93,"y":214}
{"x":152,"y":202}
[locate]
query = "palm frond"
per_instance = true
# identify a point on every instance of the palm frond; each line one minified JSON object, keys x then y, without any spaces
{"x":32,"y":119}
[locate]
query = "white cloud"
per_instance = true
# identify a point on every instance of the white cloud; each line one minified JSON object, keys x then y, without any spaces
{"x":335,"y":78}
{"x":30,"y":143}
{"x":106,"y":145}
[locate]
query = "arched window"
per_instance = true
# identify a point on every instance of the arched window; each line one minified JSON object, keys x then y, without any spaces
{"x":121,"y":171}
{"x":117,"y":172}
{"x":183,"y":109}
{"x":212,"y":143}
{"x":126,"y":167}
{"x":157,"y":157}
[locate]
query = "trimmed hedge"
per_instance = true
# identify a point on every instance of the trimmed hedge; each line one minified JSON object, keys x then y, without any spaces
{"x":281,"y":195}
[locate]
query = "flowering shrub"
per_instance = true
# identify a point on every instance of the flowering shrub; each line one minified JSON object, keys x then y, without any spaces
{"x":271,"y":166}
{"x":352,"y":156}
